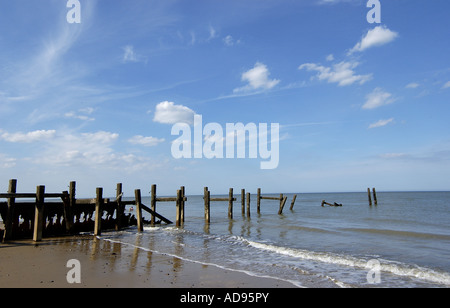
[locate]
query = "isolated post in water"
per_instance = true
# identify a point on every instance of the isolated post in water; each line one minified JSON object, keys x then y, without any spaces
{"x":293,"y":202}
{"x":243,"y":201}
{"x":140,"y":225}
{"x":153,"y":204}
{"x":370,"y":198}
{"x":248,"y":205}
{"x":258,"y":201}
{"x":375,"y":196}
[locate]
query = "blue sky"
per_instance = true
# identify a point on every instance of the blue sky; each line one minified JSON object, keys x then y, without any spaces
{"x":359,"y":104}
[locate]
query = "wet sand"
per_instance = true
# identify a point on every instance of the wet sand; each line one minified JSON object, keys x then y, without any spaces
{"x":24,"y":264}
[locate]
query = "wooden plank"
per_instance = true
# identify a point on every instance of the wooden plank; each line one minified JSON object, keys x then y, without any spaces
{"x":370,"y":199}
{"x":293,"y":202}
{"x":166,"y":199}
{"x":140,"y":224}
{"x":98,"y":212}
{"x":145,"y":208}
{"x":7,"y":235}
{"x":18,"y":195}
{"x":39,"y":214}
{"x":271,"y":198}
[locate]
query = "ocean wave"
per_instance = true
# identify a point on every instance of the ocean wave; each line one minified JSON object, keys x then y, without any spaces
{"x":392,"y":267}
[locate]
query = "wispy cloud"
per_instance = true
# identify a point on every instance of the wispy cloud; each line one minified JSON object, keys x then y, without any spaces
{"x":145,"y":141}
{"x":378,"y":98}
{"x":29,"y":137}
{"x":257,"y":78}
{"x":381,"y":123}
{"x":378,"y":36}
{"x":341,"y":73}
{"x":129,"y":55}
{"x":446,"y":86}
{"x":412,"y":85}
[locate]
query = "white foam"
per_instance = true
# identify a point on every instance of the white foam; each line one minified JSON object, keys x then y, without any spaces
{"x":394,"y":268}
{"x":295,"y":283}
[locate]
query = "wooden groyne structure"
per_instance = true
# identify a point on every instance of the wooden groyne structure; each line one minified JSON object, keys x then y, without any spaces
{"x":43,"y":214}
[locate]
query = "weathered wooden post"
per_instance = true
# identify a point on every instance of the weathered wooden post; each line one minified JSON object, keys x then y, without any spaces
{"x":281,"y":204}
{"x":293,"y":202}
{"x":153,"y":203}
{"x":375,"y":196}
{"x":179,"y":204}
{"x":248,"y":205}
{"x":119,"y":207}
{"x":183,"y":202}
{"x":207,"y":197}
{"x":7,"y":235}
{"x":98,"y":212}
{"x":137,"y":195}
{"x":258,"y":201}
{"x":243,"y":201}
{"x":230,"y":204}
{"x":370,"y":199}
{"x":39,"y":214}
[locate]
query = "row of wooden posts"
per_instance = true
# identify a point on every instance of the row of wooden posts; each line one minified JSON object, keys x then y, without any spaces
{"x":72,"y":207}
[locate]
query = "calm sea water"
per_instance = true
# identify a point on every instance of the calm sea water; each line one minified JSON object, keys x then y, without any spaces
{"x":404,"y":241}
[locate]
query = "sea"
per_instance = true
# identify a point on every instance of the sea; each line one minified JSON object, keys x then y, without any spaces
{"x":402,"y":242}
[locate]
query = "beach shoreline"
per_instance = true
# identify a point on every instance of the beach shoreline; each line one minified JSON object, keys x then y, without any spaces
{"x":103,"y":264}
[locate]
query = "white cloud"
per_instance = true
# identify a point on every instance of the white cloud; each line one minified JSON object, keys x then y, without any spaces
{"x":341,"y":73}
{"x":6,"y":161}
{"x":230,"y":41}
{"x":81,"y":114}
{"x":447,"y":85}
{"x":412,"y":85}
{"x":257,"y":79}
{"x":129,"y":55}
{"x":377,"y":36}
{"x":330,"y":57}
{"x":145,"y":141}
{"x":27,"y":137}
{"x":381,"y":123}
{"x":169,"y":113}
{"x":377,"y":98}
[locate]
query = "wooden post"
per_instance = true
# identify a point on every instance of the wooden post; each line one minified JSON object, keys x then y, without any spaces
{"x":370,"y":199}
{"x":153,"y":204}
{"x":248,"y":205}
{"x":230,"y":204}
{"x":137,"y":195}
{"x":7,"y":235}
{"x":293,"y":202}
{"x":119,"y":207}
{"x":178,"y":206}
{"x":39,"y":214}
{"x":283,"y":202}
{"x":258,"y":201}
{"x":68,"y":215}
{"x":375,"y":196}
{"x":98,"y":212}
{"x":280,"y":210}
{"x":323,"y":202}
{"x":183,"y":202}
{"x":243,"y":201}
{"x":207,"y":197}
{"x":72,"y":200}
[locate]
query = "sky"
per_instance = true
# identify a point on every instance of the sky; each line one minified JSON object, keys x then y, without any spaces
{"x":358,"y":104}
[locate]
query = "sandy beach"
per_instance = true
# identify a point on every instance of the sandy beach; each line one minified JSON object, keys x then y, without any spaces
{"x":103,"y":264}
